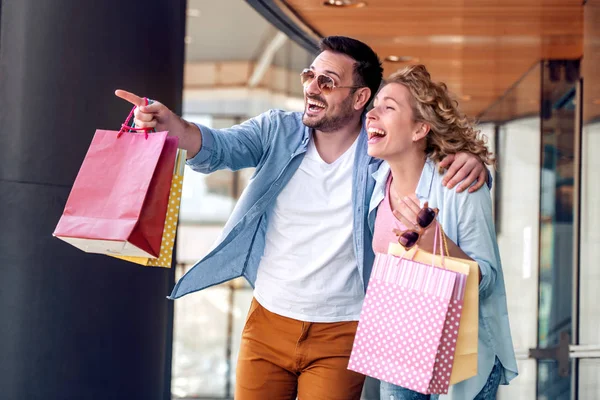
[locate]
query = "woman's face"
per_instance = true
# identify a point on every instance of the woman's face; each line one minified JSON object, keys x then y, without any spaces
{"x":390,"y":124}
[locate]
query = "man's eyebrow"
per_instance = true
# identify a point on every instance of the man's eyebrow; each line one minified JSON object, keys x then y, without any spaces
{"x":329,"y":72}
{"x":333,"y":73}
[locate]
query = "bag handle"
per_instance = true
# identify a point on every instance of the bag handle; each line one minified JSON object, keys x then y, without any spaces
{"x":126,"y":127}
{"x":438,"y":236}
{"x":443,"y":235}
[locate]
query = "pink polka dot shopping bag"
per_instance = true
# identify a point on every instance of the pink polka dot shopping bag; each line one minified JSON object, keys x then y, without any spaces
{"x":409,"y":324}
{"x":466,"y":352}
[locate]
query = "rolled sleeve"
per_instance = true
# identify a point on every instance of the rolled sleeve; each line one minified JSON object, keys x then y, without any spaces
{"x":488,"y":278}
{"x":202,"y":160}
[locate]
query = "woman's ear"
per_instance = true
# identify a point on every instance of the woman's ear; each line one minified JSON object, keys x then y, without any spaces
{"x":363,"y":95}
{"x":421,"y":132}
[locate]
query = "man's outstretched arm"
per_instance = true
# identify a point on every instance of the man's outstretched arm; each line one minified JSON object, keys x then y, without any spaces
{"x":208,"y":150}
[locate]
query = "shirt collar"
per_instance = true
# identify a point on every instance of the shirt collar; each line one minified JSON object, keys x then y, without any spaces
{"x":382,"y":172}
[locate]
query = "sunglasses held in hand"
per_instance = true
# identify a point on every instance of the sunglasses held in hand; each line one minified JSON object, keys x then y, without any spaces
{"x":410,"y":237}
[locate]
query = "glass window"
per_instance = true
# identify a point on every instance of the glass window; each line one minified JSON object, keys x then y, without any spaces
{"x":207,"y":199}
{"x":200,"y":343}
{"x":519,"y":177}
{"x":556,"y":221}
{"x":207,"y":324}
{"x":535,"y":146}
{"x":517,"y":183}
{"x":513,"y":130}
{"x":589,"y":378}
{"x":589,"y":280}
{"x":241,"y":304}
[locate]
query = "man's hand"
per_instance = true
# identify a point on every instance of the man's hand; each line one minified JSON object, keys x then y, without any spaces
{"x":464,"y":167}
{"x":159,"y":117}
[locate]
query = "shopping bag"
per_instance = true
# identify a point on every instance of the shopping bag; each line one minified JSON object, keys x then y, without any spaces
{"x":401,"y":322}
{"x":119,"y":199}
{"x":170,"y":231}
{"x":465,"y":354}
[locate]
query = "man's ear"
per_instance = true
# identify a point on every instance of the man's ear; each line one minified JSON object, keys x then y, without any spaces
{"x":422,"y":131}
{"x":362,"y":96}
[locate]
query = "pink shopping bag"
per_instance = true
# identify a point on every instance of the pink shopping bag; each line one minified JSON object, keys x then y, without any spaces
{"x":118,"y":203}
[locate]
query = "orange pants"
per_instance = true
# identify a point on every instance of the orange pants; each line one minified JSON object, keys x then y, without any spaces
{"x":281,"y":358}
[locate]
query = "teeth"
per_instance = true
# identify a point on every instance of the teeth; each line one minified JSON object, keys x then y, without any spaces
{"x":376,"y":132}
{"x":315,"y":103}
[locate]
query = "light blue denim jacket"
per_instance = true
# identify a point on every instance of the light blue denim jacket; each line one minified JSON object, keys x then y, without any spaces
{"x":467,"y":220}
{"x":274,"y":143}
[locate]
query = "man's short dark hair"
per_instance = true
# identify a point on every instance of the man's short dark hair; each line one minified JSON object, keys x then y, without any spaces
{"x":367,"y":68}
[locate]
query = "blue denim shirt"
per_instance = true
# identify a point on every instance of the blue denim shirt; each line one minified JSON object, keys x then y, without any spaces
{"x":467,"y":220}
{"x":274,"y":143}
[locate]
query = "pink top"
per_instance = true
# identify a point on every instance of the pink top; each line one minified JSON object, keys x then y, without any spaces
{"x":385,"y":223}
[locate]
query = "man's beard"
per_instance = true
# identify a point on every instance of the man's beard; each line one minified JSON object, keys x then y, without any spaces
{"x":335,"y":122}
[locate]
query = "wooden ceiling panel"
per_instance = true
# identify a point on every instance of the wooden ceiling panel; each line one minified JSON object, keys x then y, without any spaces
{"x":484,"y":52}
{"x":478,"y":47}
{"x":317,"y":5}
{"x":428,"y":22}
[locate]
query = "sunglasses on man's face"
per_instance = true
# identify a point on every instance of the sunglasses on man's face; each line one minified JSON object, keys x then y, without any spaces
{"x":325,"y":83}
{"x":409,"y":238}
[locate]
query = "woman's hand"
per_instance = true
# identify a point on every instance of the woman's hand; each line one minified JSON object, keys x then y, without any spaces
{"x":407,"y":213}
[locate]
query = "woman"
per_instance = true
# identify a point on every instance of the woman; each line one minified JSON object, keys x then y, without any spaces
{"x":414,"y":123}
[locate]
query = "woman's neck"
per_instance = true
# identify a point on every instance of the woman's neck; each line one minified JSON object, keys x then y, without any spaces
{"x":406,"y":172}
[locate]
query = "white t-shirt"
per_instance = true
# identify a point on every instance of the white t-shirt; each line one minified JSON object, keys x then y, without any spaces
{"x":309,"y":271}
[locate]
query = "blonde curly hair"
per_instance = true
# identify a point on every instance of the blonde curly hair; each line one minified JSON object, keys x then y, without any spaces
{"x":451,"y":131}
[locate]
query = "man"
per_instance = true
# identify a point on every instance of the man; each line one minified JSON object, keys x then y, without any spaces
{"x":300,"y":233}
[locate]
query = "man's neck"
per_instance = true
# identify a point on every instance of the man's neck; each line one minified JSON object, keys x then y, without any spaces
{"x":331,"y":145}
{"x":406,"y":172}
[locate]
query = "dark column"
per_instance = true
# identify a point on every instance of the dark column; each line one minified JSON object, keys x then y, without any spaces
{"x":75,"y":325}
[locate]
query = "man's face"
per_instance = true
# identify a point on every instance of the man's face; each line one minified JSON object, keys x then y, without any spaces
{"x":328,"y":112}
